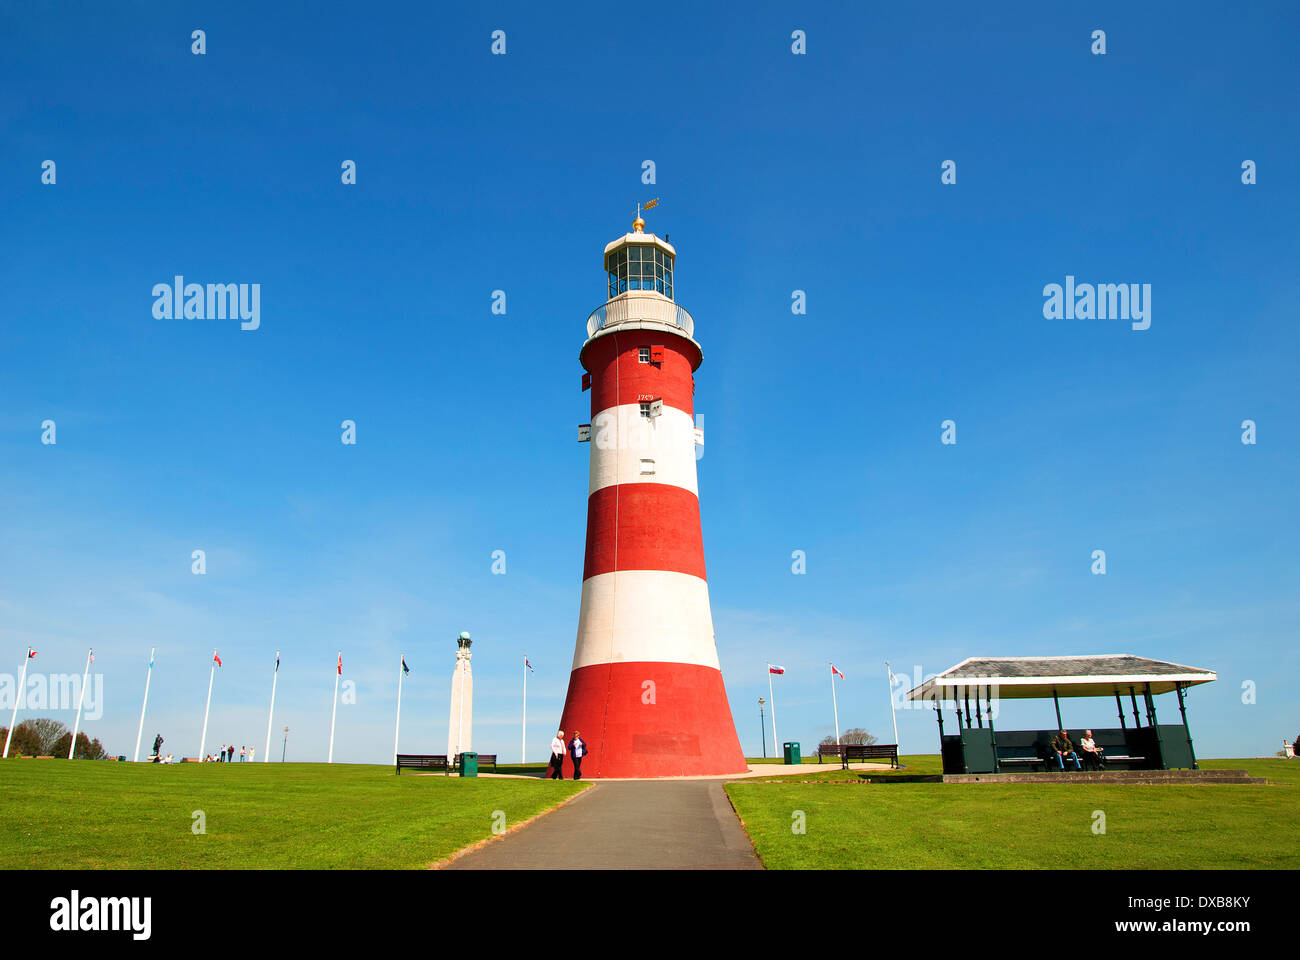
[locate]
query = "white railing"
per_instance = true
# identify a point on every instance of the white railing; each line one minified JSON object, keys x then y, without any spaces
{"x":643,"y":307}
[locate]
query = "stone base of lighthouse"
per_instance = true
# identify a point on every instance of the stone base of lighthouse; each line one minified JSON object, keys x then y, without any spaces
{"x":652,"y":719}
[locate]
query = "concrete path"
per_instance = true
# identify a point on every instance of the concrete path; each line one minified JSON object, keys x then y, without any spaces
{"x":627,"y":825}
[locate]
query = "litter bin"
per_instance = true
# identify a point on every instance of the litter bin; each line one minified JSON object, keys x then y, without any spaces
{"x":469,"y":764}
{"x":792,"y":752}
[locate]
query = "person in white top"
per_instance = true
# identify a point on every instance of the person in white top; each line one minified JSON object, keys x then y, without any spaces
{"x":557,"y":757}
{"x":1093,"y":755}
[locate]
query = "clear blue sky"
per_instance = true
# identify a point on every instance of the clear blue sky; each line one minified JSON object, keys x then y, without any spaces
{"x":778,"y":172}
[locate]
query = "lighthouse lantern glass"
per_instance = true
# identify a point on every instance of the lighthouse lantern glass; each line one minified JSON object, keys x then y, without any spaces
{"x":639,"y":266}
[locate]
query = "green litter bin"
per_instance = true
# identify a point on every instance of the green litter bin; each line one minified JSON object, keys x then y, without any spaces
{"x":792,"y":752}
{"x":469,"y":764}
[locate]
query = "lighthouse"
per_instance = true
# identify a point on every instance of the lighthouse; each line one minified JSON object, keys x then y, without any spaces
{"x":646,"y":690}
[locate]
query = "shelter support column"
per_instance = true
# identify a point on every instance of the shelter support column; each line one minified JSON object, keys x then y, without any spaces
{"x":993,"y":737}
{"x":1057,"y":703}
{"x":1137,"y":721}
{"x":1182,"y":709}
{"x":1120,"y":704}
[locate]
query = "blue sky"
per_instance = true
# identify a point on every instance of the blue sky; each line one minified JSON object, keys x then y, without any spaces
{"x":778,"y":172}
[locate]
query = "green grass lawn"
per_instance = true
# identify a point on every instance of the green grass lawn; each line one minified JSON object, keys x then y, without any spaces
{"x":902,"y":825}
{"x":97,"y":815}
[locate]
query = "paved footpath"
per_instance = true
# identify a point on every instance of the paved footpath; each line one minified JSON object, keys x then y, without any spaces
{"x":629,"y":825}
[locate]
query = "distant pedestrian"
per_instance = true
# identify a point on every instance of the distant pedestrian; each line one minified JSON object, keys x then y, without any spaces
{"x":251,"y":751}
{"x":230,"y":754}
{"x":577,"y":750}
{"x":243,"y":753}
{"x":557,"y":756}
{"x":157,"y":747}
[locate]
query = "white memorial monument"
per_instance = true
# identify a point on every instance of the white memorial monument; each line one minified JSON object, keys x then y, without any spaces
{"x":461,"y":727}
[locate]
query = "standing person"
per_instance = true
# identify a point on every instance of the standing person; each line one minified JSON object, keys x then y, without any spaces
{"x":230,"y":754}
{"x":251,"y":751}
{"x":557,"y":756}
{"x":577,"y":750}
{"x":157,"y":747}
{"x":243,"y":753}
{"x":222,"y":753}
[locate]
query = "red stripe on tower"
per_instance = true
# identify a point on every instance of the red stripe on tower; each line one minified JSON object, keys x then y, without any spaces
{"x":646,"y":691}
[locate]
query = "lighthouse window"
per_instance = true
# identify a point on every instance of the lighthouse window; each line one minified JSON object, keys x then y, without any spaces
{"x":639,"y":267}
{"x":645,"y":410}
{"x":643,"y":354}
{"x":647,"y":468}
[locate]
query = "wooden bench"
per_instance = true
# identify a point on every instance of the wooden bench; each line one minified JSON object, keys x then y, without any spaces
{"x":422,"y":761}
{"x":869,"y":751}
{"x":830,"y":750}
{"x":482,"y":759}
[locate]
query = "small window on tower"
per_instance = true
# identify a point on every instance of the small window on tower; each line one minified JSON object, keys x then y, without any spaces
{"x":645,"y":410}
{"x":647,"y":468}
{"x":643,"y":356}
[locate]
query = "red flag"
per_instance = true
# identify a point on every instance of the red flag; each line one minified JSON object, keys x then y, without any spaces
{"x":217,"y":659}
{"x":30,"y":653}
{"x":340,"y":664}
{"x":836,"y":672}
{"x":777,"y":670}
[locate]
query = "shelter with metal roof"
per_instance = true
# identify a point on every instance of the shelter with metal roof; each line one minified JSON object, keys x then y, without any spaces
{"x":977,"y":748}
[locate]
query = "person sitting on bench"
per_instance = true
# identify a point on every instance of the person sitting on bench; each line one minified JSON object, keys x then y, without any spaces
{"x":1093,"y":756}
{"x":1064,"y":750}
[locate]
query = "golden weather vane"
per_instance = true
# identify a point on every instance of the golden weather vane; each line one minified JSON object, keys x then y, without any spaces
{"x":639,"y":223}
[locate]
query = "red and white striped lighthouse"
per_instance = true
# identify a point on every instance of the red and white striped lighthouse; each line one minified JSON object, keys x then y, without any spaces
{"x":646,"y":691}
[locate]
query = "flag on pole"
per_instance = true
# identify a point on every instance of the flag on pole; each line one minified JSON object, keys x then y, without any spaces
{"x":277,"y":661}
{"x":772,"y":668}
{"x":340,"y":664}
{"x":151,"y":660}
{"x":30,"y":653}
{"x":529,"y":666}
{"x":216,"y":659}
{"x":405,"y":668}
{"x":836,"y":672}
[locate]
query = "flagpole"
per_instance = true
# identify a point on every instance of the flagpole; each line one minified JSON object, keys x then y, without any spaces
{"x":892,"y":714}
{"x":275,"y":675}
{"x":771,"y":697}
{"x":18,"y":695}
{"x":835,"y":706}
{"x":523,"y":734}
{"x":337,"y":673}
{"x":80,"y":700}
{"x":398,"y":728}
{"x":203,"y":740}
{"x":140,"y":732}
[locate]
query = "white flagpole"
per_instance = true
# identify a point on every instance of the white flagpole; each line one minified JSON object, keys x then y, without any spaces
{"x":771,"y":700}
{"x":835,"y":706}
{"x":18,"y":695}
{"x":203,"y":740}
{"x":76,"y":726}
{"x":892,"y":715}
{"x":140,"y":732}
{"x":398,"y":728}
{"x":337,"y":673}
{"x":275,"y":676}
{"x":523,"y":735}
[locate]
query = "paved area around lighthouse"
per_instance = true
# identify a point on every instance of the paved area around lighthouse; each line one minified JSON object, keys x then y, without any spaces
{"x":630,"y":825}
